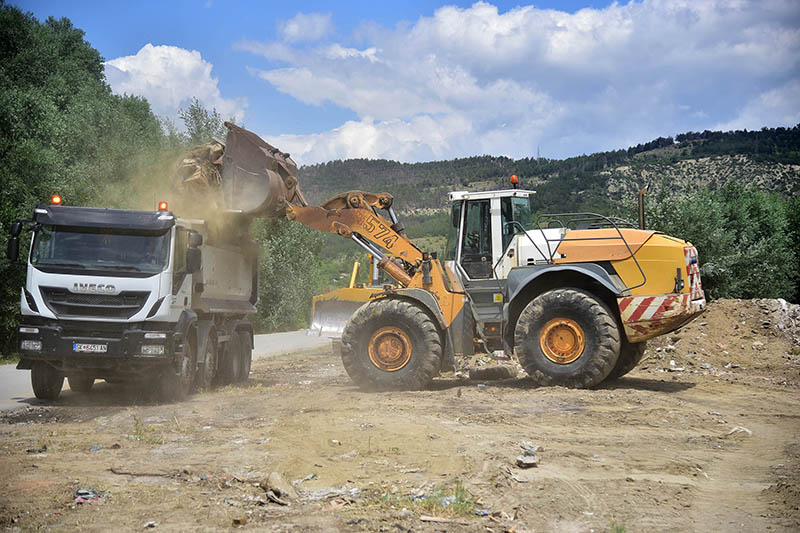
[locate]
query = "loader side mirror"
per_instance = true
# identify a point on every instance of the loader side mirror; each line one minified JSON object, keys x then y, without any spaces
{"x":195,"y":239}
{"x":16,"y":228}
{"x":194,"y":259}
{"x":12,"y":251}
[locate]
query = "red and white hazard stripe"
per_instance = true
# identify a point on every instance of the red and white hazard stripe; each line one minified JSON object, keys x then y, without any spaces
{"x":646,"y":308}
{"x":693,"y":272}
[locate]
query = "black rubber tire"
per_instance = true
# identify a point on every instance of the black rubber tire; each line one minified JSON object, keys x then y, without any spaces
{"x":208,"y":370}
{"x":426,"y":345}
{"x":630,"y":354}
{"x":46,"y":381}
{"x":230,"y":365}
{"x":246,"y":356}
{"x":176,"y":383}
{"x":600,"y":329}
{"x":80,"y":383}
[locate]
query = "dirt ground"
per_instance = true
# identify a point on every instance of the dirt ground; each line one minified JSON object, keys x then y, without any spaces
{"x":703,"y":435}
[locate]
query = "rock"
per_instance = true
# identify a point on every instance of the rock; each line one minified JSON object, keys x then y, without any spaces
{"x":278,"y":486}
{"x":491,"y":373}
{"x":527,"y":461}
{"x":758,"y":345}
{"x":530,"y":448}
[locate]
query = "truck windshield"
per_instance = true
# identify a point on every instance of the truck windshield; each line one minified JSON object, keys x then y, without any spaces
{"x":101,"y":248}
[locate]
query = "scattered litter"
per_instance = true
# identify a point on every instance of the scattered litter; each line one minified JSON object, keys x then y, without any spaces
{"x":740,"y":429}
{"x":483,"y":512}
{"x":481,"y":385}
{"x":115,"y":446}
{"x":150,"y":525}
{"x":336,"y":442}
{"x":309,"y":477}
{"x":329,"y":493}
{"x":446,"y":501}
{"x":271,"y":496}
{"x":440,"y":520}
{"x":89,"y":496}
{"x":239,"y":522}
{"x":277,"y":489}
{"x":349,"y":455}
{"x":527,"y":461}
{"x":731,"y":365}
{"x":43,"y":449}
{"x":95,"y":448}
{"x":530,"y":448}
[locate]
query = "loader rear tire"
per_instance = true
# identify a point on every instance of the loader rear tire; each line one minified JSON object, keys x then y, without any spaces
{"x":567,"y":337}
{"x":46,"y":381}
{"x":391,"y":344}
{"x":630,"y":354}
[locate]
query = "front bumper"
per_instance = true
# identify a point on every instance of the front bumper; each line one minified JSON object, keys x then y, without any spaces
{"x":645,"y":317}
{"x":123,"y":343}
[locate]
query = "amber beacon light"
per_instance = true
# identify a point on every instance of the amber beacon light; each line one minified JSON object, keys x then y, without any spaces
{"x":55,"y":199}
{"x":162,"y":206}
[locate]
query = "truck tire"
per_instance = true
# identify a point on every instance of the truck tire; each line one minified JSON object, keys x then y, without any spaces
{"x":630,"y":354}
{"x":208,"y":369}
{"x":246,"y":355}
{"x":391,"y":344}
{"x":567,"y":337}
{"x":231,"y":361}
{"x":80,"y":383}
{"x":46,"y":381}
{"x":176,"y":383}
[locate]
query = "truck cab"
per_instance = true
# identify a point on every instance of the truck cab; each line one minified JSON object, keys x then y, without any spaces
{"x":126,"y":295}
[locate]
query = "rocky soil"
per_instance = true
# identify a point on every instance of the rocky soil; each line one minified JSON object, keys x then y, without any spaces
{"x":702,"y":436}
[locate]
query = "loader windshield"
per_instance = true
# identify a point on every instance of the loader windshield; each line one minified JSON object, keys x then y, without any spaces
{"x":76,"y":248}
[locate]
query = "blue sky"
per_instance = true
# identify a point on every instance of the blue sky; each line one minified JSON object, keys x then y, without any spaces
{"x":423,"y":80}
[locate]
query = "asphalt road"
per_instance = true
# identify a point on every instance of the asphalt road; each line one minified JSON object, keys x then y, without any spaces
{"x":16,"y":391}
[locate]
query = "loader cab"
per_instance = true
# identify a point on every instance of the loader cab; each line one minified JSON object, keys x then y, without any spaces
{"x":482,"y":225}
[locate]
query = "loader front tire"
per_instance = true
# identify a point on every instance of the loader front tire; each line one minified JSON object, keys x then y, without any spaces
{"x":630,"y":354}
{"x":567,"y":337}
{"x":391,"y":344}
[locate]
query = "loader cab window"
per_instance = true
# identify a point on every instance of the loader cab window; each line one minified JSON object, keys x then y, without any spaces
{"x":516,"y":214}
{"x":452,"y":233}
{"x":476,"y":243}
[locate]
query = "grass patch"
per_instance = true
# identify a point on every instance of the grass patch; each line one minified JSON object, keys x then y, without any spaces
{"x":9,"y":359}
{"x":145,"y":433}
{"x":615,"y":527}
{"x":449,"y":502}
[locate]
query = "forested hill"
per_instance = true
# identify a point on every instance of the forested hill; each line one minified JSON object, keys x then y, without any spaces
{"x":768,"y":159}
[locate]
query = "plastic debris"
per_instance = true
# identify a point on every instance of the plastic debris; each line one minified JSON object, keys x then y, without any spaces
{"x":85,"y":495}
{"x":150,"y":525}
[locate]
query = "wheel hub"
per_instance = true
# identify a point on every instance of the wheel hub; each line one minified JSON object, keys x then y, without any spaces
{"x":562,"y":340}
{"x":390,"y":348}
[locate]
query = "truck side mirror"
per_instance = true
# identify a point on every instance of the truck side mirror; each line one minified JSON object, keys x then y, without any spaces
{"x":195,"y":239}
{"x":12,"y":251}
{"x":16,"y":228}
{"x":193,"y":260}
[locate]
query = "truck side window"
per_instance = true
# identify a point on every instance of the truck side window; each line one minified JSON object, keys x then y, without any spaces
{"x":476,"y":249}
{"x":179,"y":268}
{"x":452,"y":233}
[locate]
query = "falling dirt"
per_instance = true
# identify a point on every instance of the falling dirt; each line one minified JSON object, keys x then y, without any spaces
{"x":702,"y":436}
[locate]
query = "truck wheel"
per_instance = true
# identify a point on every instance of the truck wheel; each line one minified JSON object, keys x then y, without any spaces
{"x":567,"y":337}
{"x":46,"y":381}
{"x":630,"y":354}
{"x":208,"y":369}
{"x":231,"y":361}
{"x":391,"y":344}
{"x":246,"y":353}
{"x":80,"y":383}
{"x":176,"y":383}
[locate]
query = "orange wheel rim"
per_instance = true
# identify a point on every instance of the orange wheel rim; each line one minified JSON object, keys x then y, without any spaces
{"x":562,"y":340}
{"x":390,"y":348}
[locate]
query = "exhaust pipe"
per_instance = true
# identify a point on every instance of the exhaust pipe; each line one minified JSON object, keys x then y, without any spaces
{"x":641,"y":207}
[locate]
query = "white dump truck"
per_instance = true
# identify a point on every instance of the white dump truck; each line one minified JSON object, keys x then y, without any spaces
{"x":148,"y":296}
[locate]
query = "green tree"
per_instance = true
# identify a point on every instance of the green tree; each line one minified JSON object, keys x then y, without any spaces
{"x":201,"y":124}
{"x":742,"y":236}
{"x":62,"y":131}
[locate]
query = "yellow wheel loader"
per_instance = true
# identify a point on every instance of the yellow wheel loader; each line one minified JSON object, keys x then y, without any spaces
{"x":575,"y":295}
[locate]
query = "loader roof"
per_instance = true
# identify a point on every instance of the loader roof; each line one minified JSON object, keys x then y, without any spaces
{"x":456,"y":196}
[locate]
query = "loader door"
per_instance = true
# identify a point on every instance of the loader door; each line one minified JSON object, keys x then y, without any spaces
{"x":476,"y":241}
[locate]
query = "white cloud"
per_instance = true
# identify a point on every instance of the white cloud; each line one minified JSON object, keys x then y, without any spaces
{"x":474,"y":80}
{"x":306,"y":27}
{"x":169,"y":77}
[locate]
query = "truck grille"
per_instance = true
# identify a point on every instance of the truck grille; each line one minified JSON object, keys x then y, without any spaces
{"x":122,"y":305}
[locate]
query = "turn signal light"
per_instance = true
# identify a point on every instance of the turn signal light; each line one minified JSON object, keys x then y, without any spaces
{"x":55,"y":199}
{"x":162,"y":206}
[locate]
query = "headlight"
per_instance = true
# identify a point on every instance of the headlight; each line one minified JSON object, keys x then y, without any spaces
{"x":152,"y":349}
{"x":31,"y":346}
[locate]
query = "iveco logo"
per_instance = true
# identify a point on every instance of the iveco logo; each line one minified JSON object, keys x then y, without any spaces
{"x":94,"y":287}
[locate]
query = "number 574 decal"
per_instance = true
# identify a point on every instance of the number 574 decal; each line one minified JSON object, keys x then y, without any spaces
{"x":380,"y":232}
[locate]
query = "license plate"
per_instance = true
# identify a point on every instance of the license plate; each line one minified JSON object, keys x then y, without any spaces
{"x":89,"y":348}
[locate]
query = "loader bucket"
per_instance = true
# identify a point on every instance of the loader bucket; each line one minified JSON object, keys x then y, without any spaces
{"x":332,"y":310}
{"x":257,"y":178}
